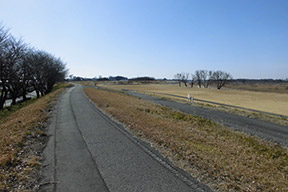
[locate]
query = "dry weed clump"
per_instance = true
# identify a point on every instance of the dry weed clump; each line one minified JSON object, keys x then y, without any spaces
{"x":225,"y":159}
{"x":18,"y":131}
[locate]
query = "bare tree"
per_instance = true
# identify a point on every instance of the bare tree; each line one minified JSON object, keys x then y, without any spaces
{"x":46,"y":71}
{"x":184,"y":78}
{"x":204,"y":77}
{"x":4,"y":36}
{"x":210,"y":77}
{"x":198,"y":78}
{"x":221,"y":78}
{"x":178,"y":77}
{"x":55,"y":72}
{"x":22,"y":68}
{"x":193,"y":80}
{"x":207,"y":77}
{"x":14,"y":59}
{"x":36,"y":62}
{"x":26,"y":73}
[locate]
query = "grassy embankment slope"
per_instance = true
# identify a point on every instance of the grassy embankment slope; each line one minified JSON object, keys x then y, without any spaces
{"x":225,"y":159}
{"x":22,"y":138}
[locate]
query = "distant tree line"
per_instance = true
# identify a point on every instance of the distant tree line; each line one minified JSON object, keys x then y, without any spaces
{"x":110,"y":78}
{"x":24,"y":69}
{"x":143,"y":79}
{"x":203,"y":78}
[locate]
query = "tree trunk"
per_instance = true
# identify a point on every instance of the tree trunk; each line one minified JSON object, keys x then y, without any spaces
{"x":1,"y":105}
{"x":3,"y":98}
{"x":14,"y":94}
{"x":2,"y":101}
{"x":37,"y":91}
{"x":38,"y":94}
{"x":14,"y":100}
{"x":192,"y":84}
{"x":24,"y":94}
{"x":24,"y":97}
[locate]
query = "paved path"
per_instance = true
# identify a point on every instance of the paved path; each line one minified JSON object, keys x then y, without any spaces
{"x":266,"y":130}
{"x":87,"y":151}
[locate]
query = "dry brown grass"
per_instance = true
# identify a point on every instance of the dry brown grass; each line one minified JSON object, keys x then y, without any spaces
{"x":227,"y":160}
{"x":263,"y":101}
{"x":261,"y":87}
{"x":17,"y":130}
{"x":280,"y":120}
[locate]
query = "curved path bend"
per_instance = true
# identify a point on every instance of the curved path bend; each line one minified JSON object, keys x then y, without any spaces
{"x":87,"y":151}
{"x":263,"y":129}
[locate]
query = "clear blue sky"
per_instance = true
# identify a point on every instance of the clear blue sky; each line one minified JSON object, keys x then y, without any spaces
{"x":248,"y":38}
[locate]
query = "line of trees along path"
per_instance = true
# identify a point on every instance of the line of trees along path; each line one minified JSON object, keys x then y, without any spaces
{"x":24,"y":69}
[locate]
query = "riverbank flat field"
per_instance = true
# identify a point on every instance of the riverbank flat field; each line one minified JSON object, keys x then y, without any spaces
{"x":276,"y":87}
{"x":263,"y":101}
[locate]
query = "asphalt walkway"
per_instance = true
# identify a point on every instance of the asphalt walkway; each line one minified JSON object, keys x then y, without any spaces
{"x":87,"y":151}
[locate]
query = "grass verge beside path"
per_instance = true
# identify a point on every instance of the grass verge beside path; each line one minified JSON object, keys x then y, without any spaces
{"x":226,"y":160}
{"x":22,"y":139}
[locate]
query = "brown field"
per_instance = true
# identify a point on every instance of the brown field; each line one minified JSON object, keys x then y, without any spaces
{"x":225,"y":159}
{"x":263,"y":101}
{"x":261,"y":87}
